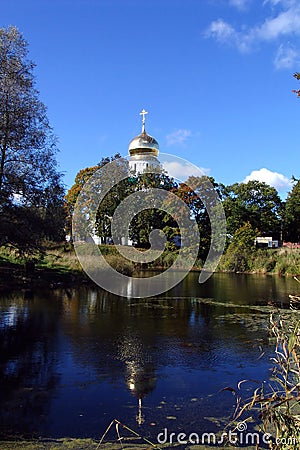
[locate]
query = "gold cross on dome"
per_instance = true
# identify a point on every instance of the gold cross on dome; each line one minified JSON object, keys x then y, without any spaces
{"x":143,"y":113}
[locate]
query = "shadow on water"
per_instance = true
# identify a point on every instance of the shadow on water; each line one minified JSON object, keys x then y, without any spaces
{"x":27,"y":340}
{"x":73,"y":360}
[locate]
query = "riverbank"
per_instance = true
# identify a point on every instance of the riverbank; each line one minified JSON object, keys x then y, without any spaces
{"x":65,"y":444}
{"x":89,"y":444}
{"x":280,"y":261}
{"x":15,"y":276}
{"x":59,"y":266}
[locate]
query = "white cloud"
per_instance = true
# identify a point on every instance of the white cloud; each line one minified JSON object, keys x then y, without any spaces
{"x":240,"y":4}
{"x":224,"y":33}
{"x":182,"y":171}
{"x":272,"y":2}
{"x":285,"y":3}
{"x":221,"y":31}
{"x":275,"y":179}
{"x":178,"y":137}
{"x":284,"y":23}
{"x":286,"y":57}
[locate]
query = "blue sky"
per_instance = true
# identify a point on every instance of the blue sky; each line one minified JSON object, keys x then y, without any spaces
{"x":215,"y":76}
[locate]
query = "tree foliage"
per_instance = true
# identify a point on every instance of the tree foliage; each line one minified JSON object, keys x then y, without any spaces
{"x":254,"y":202}
{"x":30,"y":185}
{"x":198,"y":196}
{"x":292,"y":215}
{"x":240,"y":249}
{"x":70,"y":199}
{"x":143,"y":223}
{"x":297,"y":76}
{"x":252,"y":207}
{"x":81,"y":178}
{"x":152,"y":218}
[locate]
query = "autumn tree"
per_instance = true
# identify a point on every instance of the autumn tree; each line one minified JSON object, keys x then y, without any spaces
{"x":206,"y":210}
{"x":70,"y":199}
{"x":30,"y":185}
{"x":297,"y":76}
{"x":81,"y":178}
{"x":200,"y":195}
{"x":140,"y":224}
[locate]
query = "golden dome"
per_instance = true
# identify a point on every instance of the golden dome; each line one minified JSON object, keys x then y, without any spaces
{"x":143,"y":143}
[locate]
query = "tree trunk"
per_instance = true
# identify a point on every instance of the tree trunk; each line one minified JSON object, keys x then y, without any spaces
{"x":2,"y":162}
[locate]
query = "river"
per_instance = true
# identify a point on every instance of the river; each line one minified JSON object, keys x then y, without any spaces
{"x":73,"y":360}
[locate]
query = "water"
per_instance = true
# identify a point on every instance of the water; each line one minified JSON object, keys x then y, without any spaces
{"x":73,"y":360}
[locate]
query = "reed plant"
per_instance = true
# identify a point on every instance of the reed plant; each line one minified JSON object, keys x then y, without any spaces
{"x":276,"y":403}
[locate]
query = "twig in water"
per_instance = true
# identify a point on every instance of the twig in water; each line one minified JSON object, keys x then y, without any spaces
{"x":117,"y":422}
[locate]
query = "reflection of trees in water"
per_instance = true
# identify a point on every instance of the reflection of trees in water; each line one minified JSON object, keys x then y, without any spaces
{"x":104,"y":323}
{"x":233,"y":330}
{"x":28,"y":326}
{"x":132,"y":341}
{"x":239,"y":288}
{"x":136,"y":338}
{"x":107,"y":325}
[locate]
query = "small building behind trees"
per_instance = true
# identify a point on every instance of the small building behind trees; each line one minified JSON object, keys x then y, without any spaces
{"x":266,"y":242}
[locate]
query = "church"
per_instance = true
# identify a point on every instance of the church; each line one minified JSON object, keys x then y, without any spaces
{"x":143,"y":151}
{"x":143,"y":157}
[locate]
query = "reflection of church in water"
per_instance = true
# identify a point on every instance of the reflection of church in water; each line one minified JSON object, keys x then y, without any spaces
{"x":140,"y":371}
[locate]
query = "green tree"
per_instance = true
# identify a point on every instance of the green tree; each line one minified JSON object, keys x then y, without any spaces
{"x":239,"y":252}
{"x":292,"y":215}
{"x":254,"y":202}
{"x":151,"y":218}
{"x":30,"y":186}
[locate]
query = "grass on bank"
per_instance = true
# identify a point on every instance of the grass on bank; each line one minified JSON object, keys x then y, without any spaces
{"x":89,"y":444}
{"x":69,"y":444}
{"x":281,"y":261}
{"x":60,"y":258}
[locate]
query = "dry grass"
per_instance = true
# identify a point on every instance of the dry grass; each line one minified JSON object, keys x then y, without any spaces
{"x":281,"y":261}
{"x":64,"y":444}
{"x":276,"y":403}
{"x":87,"y":444}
